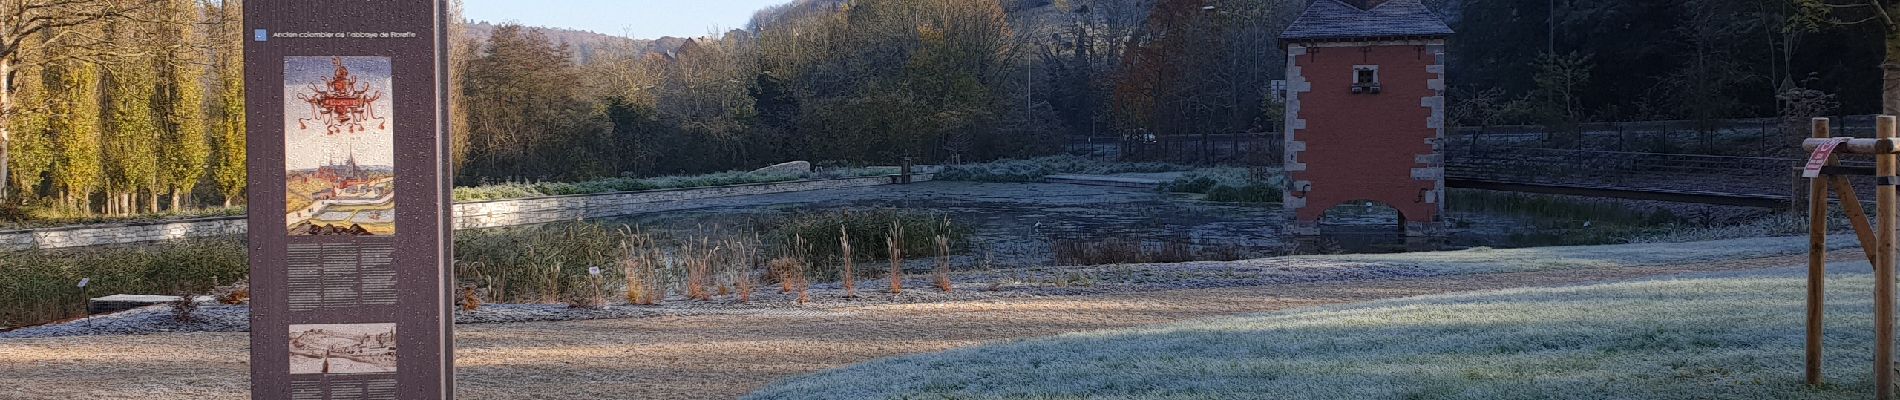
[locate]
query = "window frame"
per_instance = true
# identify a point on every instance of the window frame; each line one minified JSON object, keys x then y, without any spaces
{"x":1356,"y":69}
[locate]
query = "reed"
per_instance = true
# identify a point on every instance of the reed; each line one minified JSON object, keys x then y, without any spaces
{"x":544,"y":264}
{"x":942,"y":272}
{"x":896,"y":252}
{"x":848,"y":272}
{"x":867,"y":232}
{"x":40,"y":286}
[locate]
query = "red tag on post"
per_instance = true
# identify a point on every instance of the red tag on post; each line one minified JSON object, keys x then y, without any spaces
{"x":1820,"y":156}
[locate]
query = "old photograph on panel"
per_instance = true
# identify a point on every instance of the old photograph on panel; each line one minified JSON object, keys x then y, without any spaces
{"x":339,"y":146}
{"x":343,"y":349}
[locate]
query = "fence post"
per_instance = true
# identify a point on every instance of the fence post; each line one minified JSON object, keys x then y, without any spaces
{"x":1817,"y":258}
{"x":1883,"y":267}
{"x":904,"y":171}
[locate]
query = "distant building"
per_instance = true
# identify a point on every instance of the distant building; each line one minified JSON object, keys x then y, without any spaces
{"x":343,"y":176}
{"x":1365,"y":110}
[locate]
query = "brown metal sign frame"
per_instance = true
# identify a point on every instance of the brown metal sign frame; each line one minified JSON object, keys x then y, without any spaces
{"x":412,"y":300}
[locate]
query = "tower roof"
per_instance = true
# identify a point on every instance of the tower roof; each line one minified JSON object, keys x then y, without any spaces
{"x":1357,"y":20}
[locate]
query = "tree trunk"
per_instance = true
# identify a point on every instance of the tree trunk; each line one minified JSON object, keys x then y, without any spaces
{"x":1890,"y":88}
{"x":177,"y":200}
{"x":6,"y":133}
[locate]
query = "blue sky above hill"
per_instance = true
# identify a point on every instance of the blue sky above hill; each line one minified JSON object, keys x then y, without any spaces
{"x":641,"y":19}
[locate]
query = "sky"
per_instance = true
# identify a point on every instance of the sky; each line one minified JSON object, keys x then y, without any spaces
{"x":640,"y":19}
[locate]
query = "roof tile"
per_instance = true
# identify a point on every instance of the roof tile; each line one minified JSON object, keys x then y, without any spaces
{"x":1336,"y":20}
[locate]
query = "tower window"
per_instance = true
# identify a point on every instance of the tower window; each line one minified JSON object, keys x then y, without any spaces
{"x":1365,"y":79}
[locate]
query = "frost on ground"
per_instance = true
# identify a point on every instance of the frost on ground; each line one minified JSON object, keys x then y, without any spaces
{"x":1036,"y":282}
{"x":1485,"y":260}
{"x":1728,"y":336}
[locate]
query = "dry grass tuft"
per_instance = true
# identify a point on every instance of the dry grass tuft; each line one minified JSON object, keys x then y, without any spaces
{"x":792,"y":277}
{"x":185,"y":309}
{"x":699,"y":263}
{"x":942,"y":272}
{"x":641,"y":265}
{"x":739,"y":264}
{"x":848,"y":272}
{"x":469,"y":301}
{"x":897,"y":258}
{"x":234,"y":294}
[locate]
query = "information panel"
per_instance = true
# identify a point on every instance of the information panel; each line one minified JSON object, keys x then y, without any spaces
{"x":349,"y":221}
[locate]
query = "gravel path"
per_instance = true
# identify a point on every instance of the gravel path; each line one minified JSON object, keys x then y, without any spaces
{"x":713,"y":356}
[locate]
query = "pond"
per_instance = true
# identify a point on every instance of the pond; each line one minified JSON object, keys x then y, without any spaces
{"x":1035,"y":223}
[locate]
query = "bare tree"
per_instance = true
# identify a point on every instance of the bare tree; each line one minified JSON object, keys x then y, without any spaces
{"x":1884,"y":12}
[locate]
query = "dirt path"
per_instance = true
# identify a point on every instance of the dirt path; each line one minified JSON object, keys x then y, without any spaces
{"x":713,"y":357}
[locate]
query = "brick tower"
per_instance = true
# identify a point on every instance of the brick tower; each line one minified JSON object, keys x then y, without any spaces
{"x":1365,"y":111}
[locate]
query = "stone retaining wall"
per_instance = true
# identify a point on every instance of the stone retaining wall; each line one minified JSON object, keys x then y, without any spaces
{"x":103,"y":234}
{"x":488,"y":214}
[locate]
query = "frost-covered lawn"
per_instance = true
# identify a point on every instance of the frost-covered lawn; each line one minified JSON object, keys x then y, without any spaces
{"x":1487,"y":260}
{"x":1732,"y":336}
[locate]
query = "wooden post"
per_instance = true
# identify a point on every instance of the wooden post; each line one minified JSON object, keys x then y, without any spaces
{"x":1884,"y":165}
{"x":906,"y":170}
{"x":1817,"y":261}
{"x":1850,"y":202}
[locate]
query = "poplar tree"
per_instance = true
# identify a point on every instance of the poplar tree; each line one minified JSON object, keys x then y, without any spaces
{"x":184,"y":151}
{"x":132,"y":136}
{"x":21,"y":22}
{"x":34,"y":151}
{"x":229,"y":172}
{"x":74,"y":121}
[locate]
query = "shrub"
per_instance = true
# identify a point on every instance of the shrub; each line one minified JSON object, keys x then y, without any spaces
{"x":234,"y":294}
{"x":185,"y":309}
{"x":1230,"y":185}
{"x":514,"y":190}
{"x":541,"y":264}
{"x":40,"y":285}
{"x":1033,"y":170}
{"x":1256,"y":193}
{"x":1194,"y":184}
{"x":1127,"y":251}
